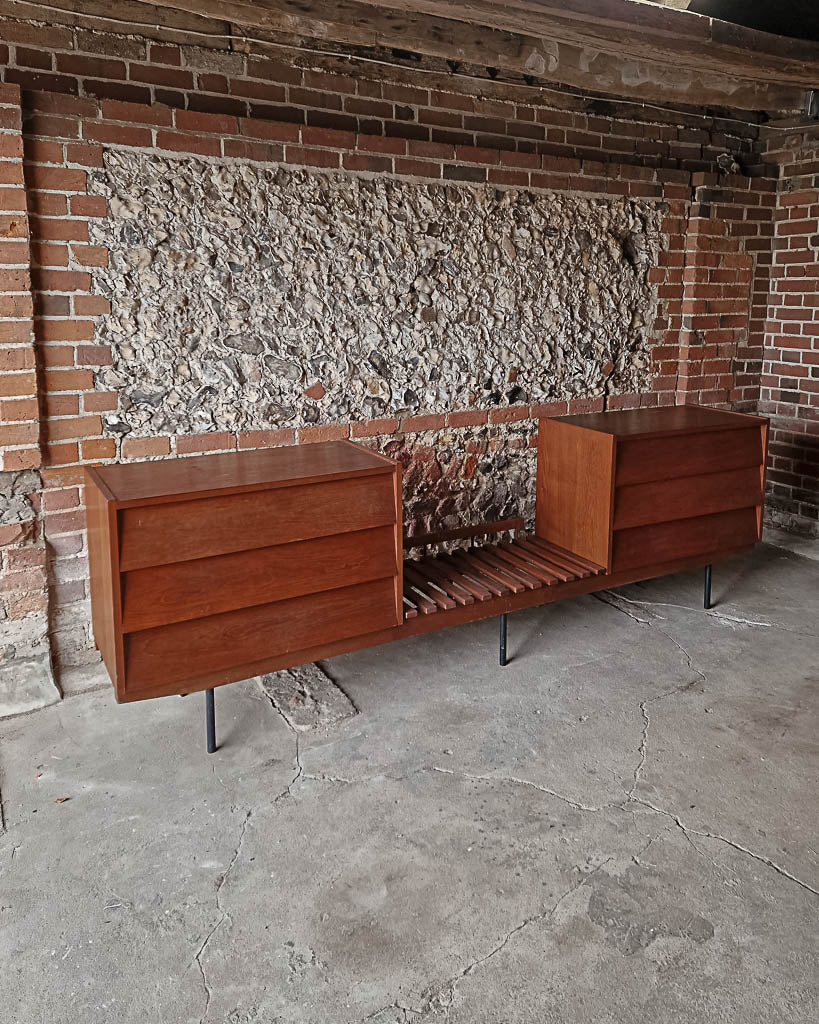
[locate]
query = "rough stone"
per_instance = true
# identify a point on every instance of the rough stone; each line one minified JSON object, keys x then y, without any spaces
{"x":232,"y":284}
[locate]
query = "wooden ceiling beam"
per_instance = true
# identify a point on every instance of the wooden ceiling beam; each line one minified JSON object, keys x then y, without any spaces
{"x":585,"y":45}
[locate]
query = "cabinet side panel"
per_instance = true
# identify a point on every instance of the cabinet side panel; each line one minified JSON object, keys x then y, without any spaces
{"x":574,"y":489}
{"x":399,"y":544}
{"x":101,"y":573}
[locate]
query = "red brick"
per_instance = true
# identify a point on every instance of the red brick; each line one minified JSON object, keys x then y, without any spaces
{"x":11,"y":146}
{"x":137,"y":113}
{"x":65,"y":330}
{"x":19,"y":433}
{"x":85,"y":154}
{"x":49,"y":229}
{"x":90,"y":255}
{"x":47,"y":255}
{"x":432,"y":421}
{"x":510,"y":414}
{"x":172,"y":77}
{"x":39,"y":151}
{"x":381,"y":144}
{"x":246,"y":149}
{"x":88,"y":206}
{"x":205,"y":443}
{"x":116,"y":134}
{"x":145,"y":447}
{"x":56,"y":179}
{"x":13,"y":253}
{"x":266,"y":438}
{"x":90,"y":67}
{"x":543,"y":409}
{"x":215,"y":124}
{"x":332,"y":432}
{"x":417,"y":168}
{"x":467,"y":418}
{"x":276,"y":131}
{"x":19,"y":410}
{"x":14,"y":384}
{"x":91,"y":305}
{"x":367,"y":162}
{"x":62,"y":405}
{"x":374,"y":428}
{"x":64,"y":522}
{"x":180,"y":143}
{"x":58,"y":500}
{"x":12,"y":199}
{"x":327,"y":137}
{"x":100,"y":401}
{"x":73,"y":427}
{"x":311,"y":157}
{"x":93,"y":355}
{"x":17,"y":460}
{"x":101,"y":448}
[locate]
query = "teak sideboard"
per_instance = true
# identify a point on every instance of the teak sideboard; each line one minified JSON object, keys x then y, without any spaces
{"x":217,"y":568}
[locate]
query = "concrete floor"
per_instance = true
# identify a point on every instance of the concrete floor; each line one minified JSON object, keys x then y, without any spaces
{"x":621,"y":826}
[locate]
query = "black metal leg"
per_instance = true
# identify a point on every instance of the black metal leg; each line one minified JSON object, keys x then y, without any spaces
{"x":706,"y":602}
{"x":210,"y":721}
{"x":502,"y":649}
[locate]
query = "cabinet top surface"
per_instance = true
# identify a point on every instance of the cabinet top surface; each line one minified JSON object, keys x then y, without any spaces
{"x":237,"y":471}
{"x":670,"y":419}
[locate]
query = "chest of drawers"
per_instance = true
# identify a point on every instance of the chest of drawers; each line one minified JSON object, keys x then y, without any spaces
{"x":206,"y":570}
{"x":651,"y":487}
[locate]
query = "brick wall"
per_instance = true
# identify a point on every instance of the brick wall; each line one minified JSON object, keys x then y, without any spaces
{"x":26,"y":679}
{"x":85,"y":91}
{"x":790,"y":375}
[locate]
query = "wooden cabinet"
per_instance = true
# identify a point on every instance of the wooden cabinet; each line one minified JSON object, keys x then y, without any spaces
{"x":205,"y":569}
{"x":651,"y":487}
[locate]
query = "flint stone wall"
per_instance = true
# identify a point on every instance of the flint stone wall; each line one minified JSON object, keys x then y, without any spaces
{"x":237,"y":288}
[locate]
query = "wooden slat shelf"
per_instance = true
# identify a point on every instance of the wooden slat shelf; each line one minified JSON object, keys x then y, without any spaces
{"x":439,"y":583}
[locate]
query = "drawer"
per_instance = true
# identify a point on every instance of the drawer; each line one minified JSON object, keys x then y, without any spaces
{"x":185,"y":651}
{"x":686,"y":497}
{"x":163,"y":594}
{"x":182,"y":530}
{"x":663,"y":458}
{"x":684,"y":538}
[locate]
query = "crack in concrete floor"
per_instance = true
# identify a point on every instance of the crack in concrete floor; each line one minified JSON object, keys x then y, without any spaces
{"x":442,"y":998}
{"x":224,"y":915}
{"x":445,"y":994}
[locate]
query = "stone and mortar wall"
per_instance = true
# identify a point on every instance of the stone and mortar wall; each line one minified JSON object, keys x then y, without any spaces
{"x":246,"y":297}
{"x":444,"y":363}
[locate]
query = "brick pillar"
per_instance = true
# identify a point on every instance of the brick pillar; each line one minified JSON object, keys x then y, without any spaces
{"x":26,"y":678}
{"x":717,"y":298}
{"x":789,"y":391}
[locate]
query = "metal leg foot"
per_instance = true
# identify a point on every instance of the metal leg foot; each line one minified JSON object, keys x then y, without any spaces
{"x":502,"y":648}
{"x":210,"y":721}
{"x":706,"y":601}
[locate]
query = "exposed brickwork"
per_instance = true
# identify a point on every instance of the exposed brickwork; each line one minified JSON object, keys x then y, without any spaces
{"x":789,"y":391}
{"x":322,"y":94}
{"x":83,"y":91}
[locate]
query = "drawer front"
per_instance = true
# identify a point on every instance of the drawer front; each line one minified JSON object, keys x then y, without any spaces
{"x":686,"y":497}
{"x":663,"y":458}
{"x":684,"y":538}
{"x":163,"y":594}
{"x":187,"y":650}
{"x":182,"y":530}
